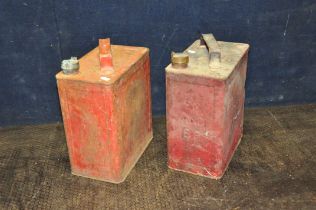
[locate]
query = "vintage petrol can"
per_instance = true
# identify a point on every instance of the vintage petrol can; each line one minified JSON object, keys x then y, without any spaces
{"x":106,"y":109}
{"x":205,"y":105}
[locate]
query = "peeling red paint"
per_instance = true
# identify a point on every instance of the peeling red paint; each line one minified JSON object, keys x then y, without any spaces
{"x":205,"y":113}
{"x":107,"y":119}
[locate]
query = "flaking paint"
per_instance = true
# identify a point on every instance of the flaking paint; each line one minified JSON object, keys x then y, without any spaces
{"x":205,"y":112}
{"x":108,"y":123}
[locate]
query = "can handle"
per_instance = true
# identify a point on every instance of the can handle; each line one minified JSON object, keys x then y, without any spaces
{"x":105,"y":56}
{"x":213,"y":49}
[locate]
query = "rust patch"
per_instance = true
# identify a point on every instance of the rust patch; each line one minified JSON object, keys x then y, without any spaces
{"x":106,"y":118}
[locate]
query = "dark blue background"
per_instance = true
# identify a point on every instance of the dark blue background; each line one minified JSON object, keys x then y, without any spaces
{"x":36,"y":34}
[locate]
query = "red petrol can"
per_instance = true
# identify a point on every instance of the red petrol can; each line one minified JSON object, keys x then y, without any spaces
{"x":205,"y":105}
{"x":106,"y":108}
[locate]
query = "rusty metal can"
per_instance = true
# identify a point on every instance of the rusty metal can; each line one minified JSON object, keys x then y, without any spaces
{"x":205,"y":106}
{"x":106,"y":108}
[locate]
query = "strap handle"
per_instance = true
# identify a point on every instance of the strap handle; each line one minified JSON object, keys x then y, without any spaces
{"x":213,"y":49}
{"x":106,"y":63}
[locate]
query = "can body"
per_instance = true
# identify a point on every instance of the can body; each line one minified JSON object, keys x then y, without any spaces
{"x":107,"y":119}
{"x":205,"y":117}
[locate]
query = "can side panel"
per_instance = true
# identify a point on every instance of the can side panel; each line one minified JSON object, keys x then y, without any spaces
{"x":90,"y":129}
{"x":133,"y":108}
{"x":234,"y":110}
{"x":194,"y":124}
{"x":64,"y":110}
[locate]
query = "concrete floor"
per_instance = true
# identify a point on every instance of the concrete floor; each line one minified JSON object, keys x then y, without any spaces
{"x":273,"y":168}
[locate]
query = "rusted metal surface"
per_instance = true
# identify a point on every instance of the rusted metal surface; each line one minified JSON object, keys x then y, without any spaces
{"x":205,"y":108}
{"x":107,"y":117}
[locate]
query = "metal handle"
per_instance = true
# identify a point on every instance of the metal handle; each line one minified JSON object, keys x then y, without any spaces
{"x":213,"y":49}
{"x":106,"y":63}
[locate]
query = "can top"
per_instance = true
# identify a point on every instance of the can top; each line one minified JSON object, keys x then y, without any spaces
{"x":124,"y":57}
{"x":200,"y":65}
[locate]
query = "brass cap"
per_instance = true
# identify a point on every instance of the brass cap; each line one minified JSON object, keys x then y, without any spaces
{"x":179,"y":60}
